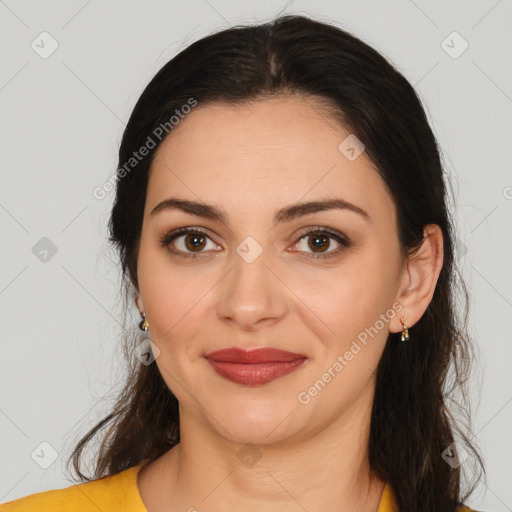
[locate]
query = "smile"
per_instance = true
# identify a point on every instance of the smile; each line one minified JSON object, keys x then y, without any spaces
{"x":252,"y":374}
{"x":255,"y":367}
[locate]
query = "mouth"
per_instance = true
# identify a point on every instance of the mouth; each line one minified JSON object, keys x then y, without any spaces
{"x":254,"y":367}
{"x":256,"y":355}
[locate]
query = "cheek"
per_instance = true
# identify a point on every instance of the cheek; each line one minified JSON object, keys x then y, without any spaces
{"x":350,"y":300}
{"x":172,"y":296}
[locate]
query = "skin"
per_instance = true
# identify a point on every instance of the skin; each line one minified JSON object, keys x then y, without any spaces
{"x":252,"y":160}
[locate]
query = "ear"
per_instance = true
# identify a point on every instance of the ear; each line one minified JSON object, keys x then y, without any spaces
{"x":138,"y":303}
{"x":419,"y":278}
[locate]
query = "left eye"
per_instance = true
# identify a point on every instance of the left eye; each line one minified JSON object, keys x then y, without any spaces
{"x":320,"y":239}
{"x":190,"y":243}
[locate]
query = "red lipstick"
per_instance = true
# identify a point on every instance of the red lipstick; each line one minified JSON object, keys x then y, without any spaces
{"x":254,"y":367}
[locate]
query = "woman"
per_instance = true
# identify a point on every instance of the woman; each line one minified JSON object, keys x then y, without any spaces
{"x":281,"y":216}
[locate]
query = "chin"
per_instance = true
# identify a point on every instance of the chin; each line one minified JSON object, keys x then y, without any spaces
{"x":257,"y":422}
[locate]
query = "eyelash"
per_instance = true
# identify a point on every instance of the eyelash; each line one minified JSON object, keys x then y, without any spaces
{"x":166,"y":240}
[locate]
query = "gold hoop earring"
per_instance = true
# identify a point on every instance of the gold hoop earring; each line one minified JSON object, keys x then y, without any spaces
{"x":144,"y":325}
{"x":405,"y":332}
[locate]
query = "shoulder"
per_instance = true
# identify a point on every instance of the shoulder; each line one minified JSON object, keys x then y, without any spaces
{"x":388,"y":502}
{"x":110,"y":493}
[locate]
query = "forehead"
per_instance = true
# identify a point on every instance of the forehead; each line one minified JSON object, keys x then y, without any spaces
{"x":263,"y":154}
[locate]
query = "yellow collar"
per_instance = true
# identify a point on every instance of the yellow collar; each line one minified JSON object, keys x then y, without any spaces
{"x":387,"y":500}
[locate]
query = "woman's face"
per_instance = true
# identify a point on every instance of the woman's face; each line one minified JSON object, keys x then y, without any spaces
{"x":249,"y":280}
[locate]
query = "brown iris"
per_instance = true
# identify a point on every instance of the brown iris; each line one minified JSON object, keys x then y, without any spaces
{"x":194,"y":241}
{"x":318,"y":241}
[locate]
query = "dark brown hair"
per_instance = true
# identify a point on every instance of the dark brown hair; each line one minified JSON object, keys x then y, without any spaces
{"x":415,"y":414}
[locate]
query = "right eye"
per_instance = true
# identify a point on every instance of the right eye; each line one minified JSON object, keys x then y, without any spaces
{"x":192,"y":242}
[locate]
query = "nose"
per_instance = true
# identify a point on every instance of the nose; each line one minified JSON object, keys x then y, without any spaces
{"x":252,"y":294}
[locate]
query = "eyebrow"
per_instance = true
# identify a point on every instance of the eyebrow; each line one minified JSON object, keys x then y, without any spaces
{"x":285,"y":214}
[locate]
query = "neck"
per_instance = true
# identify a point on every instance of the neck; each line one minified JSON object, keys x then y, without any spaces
{"x":325,"y":471}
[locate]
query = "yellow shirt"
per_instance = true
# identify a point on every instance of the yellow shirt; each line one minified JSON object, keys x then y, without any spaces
{"x":119,"y":493}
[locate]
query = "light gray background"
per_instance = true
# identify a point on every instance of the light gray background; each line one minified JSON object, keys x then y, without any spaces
{"x":62,"y":119}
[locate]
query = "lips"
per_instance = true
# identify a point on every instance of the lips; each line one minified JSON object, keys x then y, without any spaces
{"x":254,"y":367}
{"x":258,"y":355}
